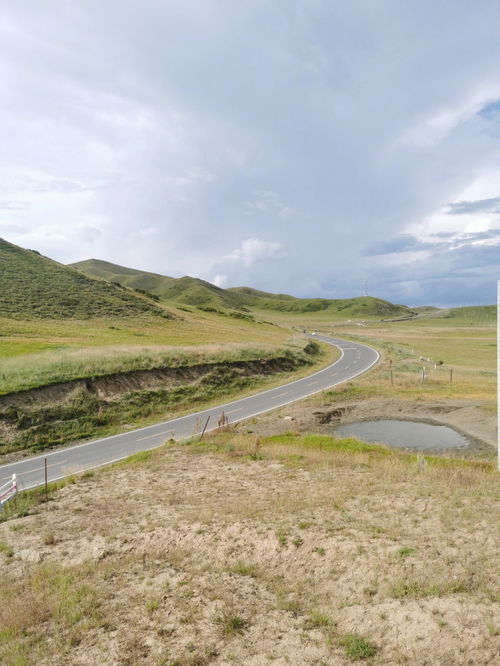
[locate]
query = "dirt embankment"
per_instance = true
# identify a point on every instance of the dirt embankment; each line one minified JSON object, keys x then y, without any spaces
{"x":53,"y":415}
{"x":114,"y":386}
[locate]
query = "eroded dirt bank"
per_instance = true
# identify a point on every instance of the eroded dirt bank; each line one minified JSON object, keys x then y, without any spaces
{"x":116,"y":385}
{"x":50,"y":416}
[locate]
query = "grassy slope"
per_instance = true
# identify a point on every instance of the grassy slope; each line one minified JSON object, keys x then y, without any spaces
{"x":49,"y":314}
{"x":198,"y":293}
{"x":32,"y":286}
{"x":185,"y":290}
{"x":361,"y":307}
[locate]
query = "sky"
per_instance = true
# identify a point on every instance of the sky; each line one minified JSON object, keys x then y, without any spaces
{"x":320,"y":148}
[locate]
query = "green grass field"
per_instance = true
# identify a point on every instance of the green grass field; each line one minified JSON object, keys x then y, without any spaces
{"x":458,"y":344}
{"x":36,"y":352}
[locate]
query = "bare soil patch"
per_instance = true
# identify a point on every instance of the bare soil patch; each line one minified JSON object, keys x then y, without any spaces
{"x":241,"y":551}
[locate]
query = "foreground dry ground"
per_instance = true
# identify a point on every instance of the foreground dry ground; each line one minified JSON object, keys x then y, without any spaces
{"x":287,"y":550}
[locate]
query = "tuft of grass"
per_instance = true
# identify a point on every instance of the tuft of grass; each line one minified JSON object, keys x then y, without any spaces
{"x":244,"y":569}
{"x":152,"y":605}
{"x":357,"y":646}
{"x":49,"y":539}
{"x":282,"y":537}
{"x":491,"y":628}
{"x":6,"y":549}
{"x":139,"y":457}
{"x":317,"y":619}
{"x":231,"y":624}
{"x":405,"y":551}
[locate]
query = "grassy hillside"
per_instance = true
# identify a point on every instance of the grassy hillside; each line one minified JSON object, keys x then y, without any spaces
{"x":475,"y":314}
{"x":32,"y":286}
{"x":184,"y":291}
{"x":201,"y":294}
{"x":361,"y":307}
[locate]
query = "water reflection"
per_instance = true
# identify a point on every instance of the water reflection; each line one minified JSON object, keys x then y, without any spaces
{"x":404,"y":434}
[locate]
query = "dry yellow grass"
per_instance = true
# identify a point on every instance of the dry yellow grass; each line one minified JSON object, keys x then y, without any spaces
{"x":290,"y":549}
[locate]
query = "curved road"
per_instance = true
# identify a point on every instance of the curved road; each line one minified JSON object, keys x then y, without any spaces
{"x":355,"y":359}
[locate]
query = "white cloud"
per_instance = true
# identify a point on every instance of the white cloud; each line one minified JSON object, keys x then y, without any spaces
{"x":159,"y":135}
{"x":219,"y":280}
{"x":252,"y":250}
{"x":266,"y":201}
{"x":441,"y":122}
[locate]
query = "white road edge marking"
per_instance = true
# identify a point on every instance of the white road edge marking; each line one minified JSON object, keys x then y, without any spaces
{"x":248,"y":416}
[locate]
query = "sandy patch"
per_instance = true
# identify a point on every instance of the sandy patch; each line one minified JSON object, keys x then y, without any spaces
{"x":198,"y":558}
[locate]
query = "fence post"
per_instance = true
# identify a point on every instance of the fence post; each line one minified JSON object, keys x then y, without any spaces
{"x":205,"y":427}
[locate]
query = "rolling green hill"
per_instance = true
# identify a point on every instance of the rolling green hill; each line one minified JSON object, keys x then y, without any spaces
{"x":474,"y":314}
{"x":33,"y":286}
{"x":185,"y":290}
{"x":364,"y":306}
{"x":204,"y":295}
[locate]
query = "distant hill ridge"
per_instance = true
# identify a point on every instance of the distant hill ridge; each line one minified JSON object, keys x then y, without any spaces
{"x":199,"y":293}
{"x":34,"y":286}
{"x":185,"y":290}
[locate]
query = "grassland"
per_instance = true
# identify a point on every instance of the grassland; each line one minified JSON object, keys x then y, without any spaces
{"x":201,"y":294}
{"x":456,"y":351}
{"x":186,"y":290}
{"x":28,"y":348}
{"x":304,"y":549}
{"x":36,"y":287}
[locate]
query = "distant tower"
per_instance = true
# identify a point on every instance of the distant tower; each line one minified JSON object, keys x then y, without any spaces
{"x":365,"y":287}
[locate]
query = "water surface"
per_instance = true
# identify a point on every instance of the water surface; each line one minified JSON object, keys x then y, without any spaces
{"x":404,"y":434}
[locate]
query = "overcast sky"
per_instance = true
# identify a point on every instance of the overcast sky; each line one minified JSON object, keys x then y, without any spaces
{"x":314,"y":147}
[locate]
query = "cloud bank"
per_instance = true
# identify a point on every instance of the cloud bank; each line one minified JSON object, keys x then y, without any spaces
{"x":299,"y":147}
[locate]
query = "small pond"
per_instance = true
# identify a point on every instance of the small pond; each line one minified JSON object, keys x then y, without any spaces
{"x":404,"y":434}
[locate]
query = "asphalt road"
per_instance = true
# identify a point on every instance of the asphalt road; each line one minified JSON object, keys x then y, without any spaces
{"x":354,"y":360}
